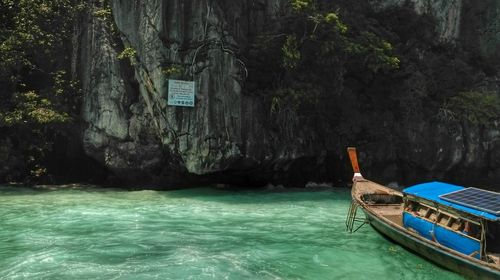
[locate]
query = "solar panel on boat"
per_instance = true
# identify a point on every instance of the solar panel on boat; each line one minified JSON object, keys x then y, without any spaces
{"x":475,"y":198}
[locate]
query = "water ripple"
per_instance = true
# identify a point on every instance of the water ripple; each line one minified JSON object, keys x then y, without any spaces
{"x":193,"y":234}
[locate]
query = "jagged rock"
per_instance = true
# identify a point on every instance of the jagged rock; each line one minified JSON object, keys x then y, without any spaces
{"x":228,"y":137}
{"x":448,"y":13}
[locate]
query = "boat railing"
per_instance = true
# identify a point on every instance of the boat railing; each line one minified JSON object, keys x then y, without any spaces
{"x":353,"y":223}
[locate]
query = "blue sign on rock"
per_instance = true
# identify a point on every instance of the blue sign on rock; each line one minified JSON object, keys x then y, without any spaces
{"x":181,"y":93}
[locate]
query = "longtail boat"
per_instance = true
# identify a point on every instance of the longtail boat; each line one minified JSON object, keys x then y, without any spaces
{"x":453,"y":226}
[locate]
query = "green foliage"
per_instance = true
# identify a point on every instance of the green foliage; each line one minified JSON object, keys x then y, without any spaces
{"x":35,"y":37}
{"x":37,"y":94}
{"x":333,"y":18}
{"x":475,"y":107}
{"x":329,"y":33}
{"x":34,"y":26}
{"x":30,"y":109}
{"x":315,"y":43}
{"x":377,"y":52}
{"x":128,"y":53}
{"x":103,"y":14}
{"x":173,"y":70}
{"x":291,"y":53}
{"x":301,"y":5}
{"x":64,"y":88}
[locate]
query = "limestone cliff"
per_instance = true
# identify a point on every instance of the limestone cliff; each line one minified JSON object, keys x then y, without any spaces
{"x":228,"y":137}
{"x":448,"y":13}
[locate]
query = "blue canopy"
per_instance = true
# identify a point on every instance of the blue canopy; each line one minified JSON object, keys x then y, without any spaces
{"x":432,"y":191}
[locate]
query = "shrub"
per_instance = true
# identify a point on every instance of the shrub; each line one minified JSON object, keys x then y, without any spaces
{"x":476,"y":107}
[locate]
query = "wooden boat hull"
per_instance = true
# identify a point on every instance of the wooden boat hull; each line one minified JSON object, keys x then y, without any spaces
{"x":384,"y":210}
{"x":433,"y":253}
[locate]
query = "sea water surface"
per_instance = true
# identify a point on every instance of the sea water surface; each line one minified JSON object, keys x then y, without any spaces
{"x":193,"y":234}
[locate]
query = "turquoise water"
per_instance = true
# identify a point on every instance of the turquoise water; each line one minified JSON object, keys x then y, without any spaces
{"x":193,"y":234}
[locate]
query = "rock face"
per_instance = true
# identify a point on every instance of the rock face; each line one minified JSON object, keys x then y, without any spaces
{"x":448,"y":13}
{"x":474,"y":23}
{"x":227,"y":136}
{"x":131,"y":129}
{"x":438,"y":147}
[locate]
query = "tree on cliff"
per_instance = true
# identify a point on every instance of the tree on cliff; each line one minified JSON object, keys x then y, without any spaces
{"x":308,"y":56}
{"x":38,"y":92}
